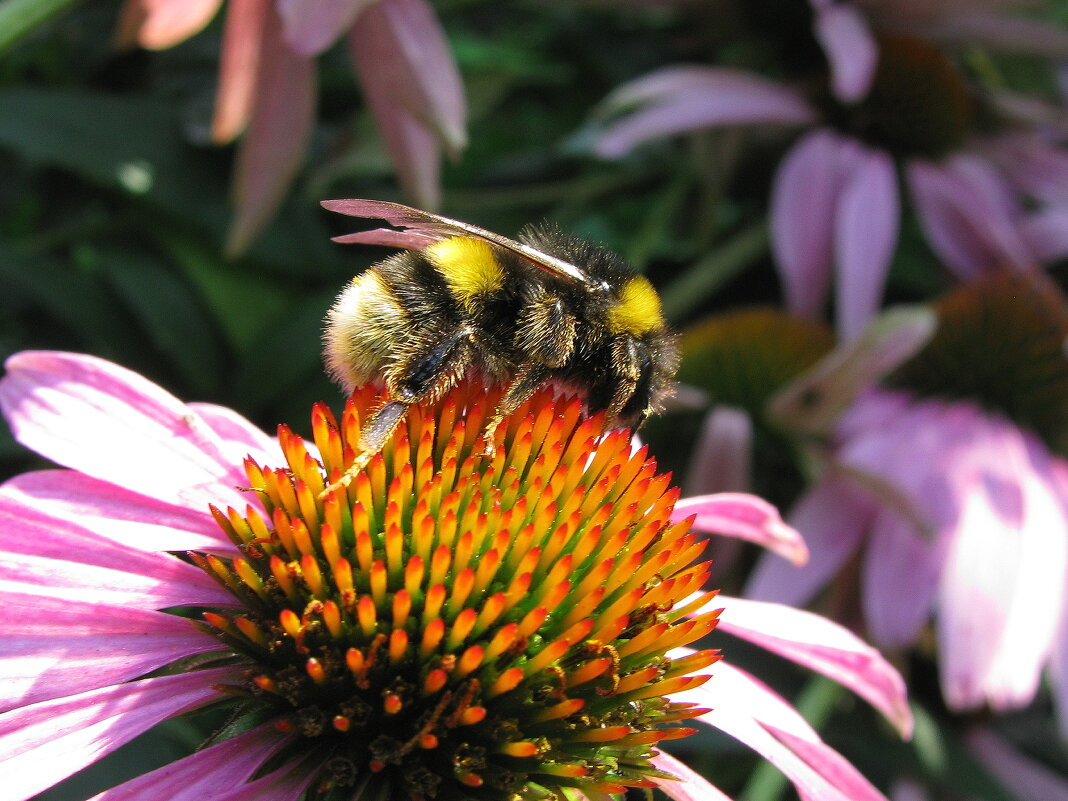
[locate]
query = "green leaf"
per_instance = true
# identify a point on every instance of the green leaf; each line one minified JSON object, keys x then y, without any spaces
{"x":20,"y":17}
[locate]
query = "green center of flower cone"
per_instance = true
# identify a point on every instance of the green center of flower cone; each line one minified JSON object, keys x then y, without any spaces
{"x":454,"y":626}
{"x":919,"y":103}
{"x":1000,"y":344}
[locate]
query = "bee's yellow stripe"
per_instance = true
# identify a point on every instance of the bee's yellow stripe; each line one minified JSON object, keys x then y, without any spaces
{"x":638,"y":309}
{"x":468,"y":266}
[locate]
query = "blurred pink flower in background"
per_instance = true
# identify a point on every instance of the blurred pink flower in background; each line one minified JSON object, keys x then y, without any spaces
{"x":267,"y":87}
{"x":896,"y":101}
{"x":89,"y":561}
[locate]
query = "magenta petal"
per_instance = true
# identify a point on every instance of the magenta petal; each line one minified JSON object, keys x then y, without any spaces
{"x":59,"y":647}
{"x":272,"y":149}
{"x":284,"y":784}
{"x":679,"y":99}
{"x":833,"y":518}
{"x":844,"y":35}
{"x":831,"y":766}
{"x":823,"y":646}
{"x":865,"y":236}
{"x":205,"y":775}
{"x":311,"y":26}
{"x":746,"y":517}
{"x":46,"y":742}
{"x":116,"y":514}
{"x":159,"y":24}
{"x":692,"y":787}
{"x":963,"y":210}
{"x":403,"y":57}
{"x":109,"y":422}
{"x":240,"y":436}
{"x":803,"y":202}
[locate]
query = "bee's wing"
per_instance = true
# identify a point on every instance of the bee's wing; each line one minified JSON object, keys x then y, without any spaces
{"x":421,"y":228}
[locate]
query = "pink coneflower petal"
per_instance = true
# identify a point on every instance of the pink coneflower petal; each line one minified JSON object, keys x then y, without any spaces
{"x":239,"y":66}
{"x":865,"y":236}
{"x":832,"y":517}
{"x":119,"y":515}
{"x":205,"y":775}
{"x":311,"y":26}
{"x":1001,"y":31}
{"x":1026,"y":779}
{"x":1046,"y":233}
{"x":746,"y":517}
{"x":823,"y":646}
{"x":692,"y":787}
{"x":59,"y":647}
{"x":679,"y":99}
{"x":845,"y":37}
{"x":804,"y":200}
{"x":44,"y":743}
{"x":159,"y":24}
{"x":722,"y":459}
{"x":1004,"y":579}
{"x":749,"y":711}
{"x":400,"y":48}
{"x":109,"y":422}
{"x":284,"y":784}
{"x":242,"y":437}
{"x":964,"y":216}
{"x":272,"y":149}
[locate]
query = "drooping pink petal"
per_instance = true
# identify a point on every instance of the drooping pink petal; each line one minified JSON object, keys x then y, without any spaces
{"x":58,"y":647}
{"x":311,"y":26}
{"x":865,"y":236}
{"x":692,"y":785}
{"x":284,"y":784}
{"x":823,"y":646}
{"x":1046,"y":233}
{"x":46,"y":742}
{"x":749,"y":711}
{"x":746,"y":517}
{"x":108,"y":422}
{"x":803,"y":202}
{"x":679,"y":99}
{"x":964,"y":217}
{"x":1036,"y":165}
{"x":833,"y":518}
{"x":119,"y":515}
{"x":272,"y":149}
{"x":1026,"y":779}
{"x":1004,"y":579}
{"x":239,"y":67}
{"x":845,"y":37}
{"x":242,"y":438}
{"x":159,"y":24}
{"x":204,"y":775}
{"x":1001,"y":31}
{"x":400,"y":49}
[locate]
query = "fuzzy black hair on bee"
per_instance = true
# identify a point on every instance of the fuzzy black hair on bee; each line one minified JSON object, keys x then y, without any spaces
{"x":465,"y":301}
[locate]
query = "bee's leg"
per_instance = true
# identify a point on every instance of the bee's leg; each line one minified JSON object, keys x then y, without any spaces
{"x":427,"y":374}
{"x":524,"y":383}
{"x":634,"y":372}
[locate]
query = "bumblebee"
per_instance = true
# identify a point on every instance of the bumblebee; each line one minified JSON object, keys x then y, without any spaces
{"x":465,"y":301}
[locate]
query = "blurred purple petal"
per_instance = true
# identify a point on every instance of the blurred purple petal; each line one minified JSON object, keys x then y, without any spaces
{"x":823,"y":646}
{"x":1046,"y":233}
{"x":273,"y":147}
{"x":865,"y":236}
{"x":239,"y":67}
{"x":833,"y":517}
{"x":1026,"y":779}
{"x":679,"y":99}
{"x":159,"y":24}
{"x":845,"y":37}
{"x":1001,"y":31}
{"x":311,"y":26}
{"x":404,"y":62}
{"x":962,"y":210}
{"x":804,"y":201}
{"x":746,"y":517}
{"x":722,"y":458}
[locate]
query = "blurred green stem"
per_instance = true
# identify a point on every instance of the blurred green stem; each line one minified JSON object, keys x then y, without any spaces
{"x":691,"y":289}
{"x":19,"y":17}
{"x":815,"y":703}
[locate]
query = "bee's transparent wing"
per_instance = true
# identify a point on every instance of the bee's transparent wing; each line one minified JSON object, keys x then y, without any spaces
{"x":415,"y":229}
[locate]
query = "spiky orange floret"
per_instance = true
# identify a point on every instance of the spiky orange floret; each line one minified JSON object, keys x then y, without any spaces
{"x":467,"y":627}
